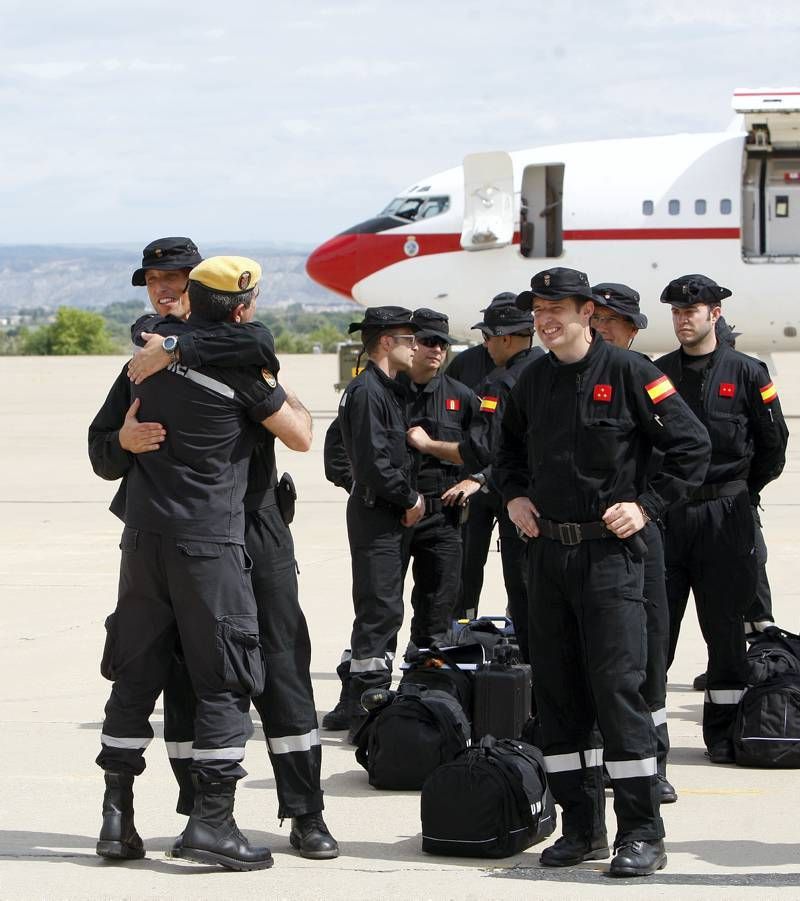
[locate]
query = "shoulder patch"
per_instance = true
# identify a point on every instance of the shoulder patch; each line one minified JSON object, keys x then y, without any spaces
{"x":602,"y":394}
{"x":453,"y":404}
{"x":727,"y":389}
{"x":768,"y":393}
{"x":269,"y":378}
{"x":660,"y":389}
{"x":488,"y":404}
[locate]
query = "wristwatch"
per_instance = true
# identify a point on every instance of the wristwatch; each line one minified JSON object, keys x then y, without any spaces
{"x":170,"y":346}
{"x":478,"y":477}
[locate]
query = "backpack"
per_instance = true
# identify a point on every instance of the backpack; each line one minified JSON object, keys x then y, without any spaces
{"x":487,"y":631}
{"x":401,"y":744}
{"x":491,"y":801}
{"x":767,"y":729}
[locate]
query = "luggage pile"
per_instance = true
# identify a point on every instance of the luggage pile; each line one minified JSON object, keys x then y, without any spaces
{"x":452,"y":731}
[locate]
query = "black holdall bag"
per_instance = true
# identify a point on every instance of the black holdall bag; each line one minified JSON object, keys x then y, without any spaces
{"x":440,"y":669}
{"x":491,"y":801}
{"x":767,"y":729}
{"x":401,"y":744}
{"x":487,"y":631}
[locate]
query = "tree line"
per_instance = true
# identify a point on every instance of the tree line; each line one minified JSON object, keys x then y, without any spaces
{"x":74,"y":331}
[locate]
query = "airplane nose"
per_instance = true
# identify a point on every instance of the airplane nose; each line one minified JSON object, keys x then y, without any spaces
{"x":334,"y":264}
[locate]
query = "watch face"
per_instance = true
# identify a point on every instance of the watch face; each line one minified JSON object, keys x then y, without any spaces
{"x":170,"y":343}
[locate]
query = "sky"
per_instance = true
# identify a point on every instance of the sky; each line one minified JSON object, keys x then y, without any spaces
{"x":290,"y":121}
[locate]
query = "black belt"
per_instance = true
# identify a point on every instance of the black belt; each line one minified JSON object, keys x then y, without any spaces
{"x":720,"y":489}
{"x":572,"y":533}
{"x":260,"y":499}
{"x":433,"y":505}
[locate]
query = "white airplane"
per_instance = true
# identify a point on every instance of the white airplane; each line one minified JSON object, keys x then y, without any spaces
{"x":639,"y":211}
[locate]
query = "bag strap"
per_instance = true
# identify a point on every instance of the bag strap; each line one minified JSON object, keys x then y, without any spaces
{"x":514,"y":781}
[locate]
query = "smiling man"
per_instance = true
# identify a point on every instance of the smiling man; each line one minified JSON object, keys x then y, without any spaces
{"x":576,"y":437}
{"x":166,"y":263}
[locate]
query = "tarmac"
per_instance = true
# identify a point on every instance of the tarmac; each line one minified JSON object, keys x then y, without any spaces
{"x":733,"y":832}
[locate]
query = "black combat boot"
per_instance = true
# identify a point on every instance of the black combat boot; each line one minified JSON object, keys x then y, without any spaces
{"x":338,"y":719}
{"x":311,"y":838}
{"x":119,"y":839}
{"x":570,"y":850}
{"x":212,"y":836}
{"x":666,"y":790}
{"x":637,"y":858}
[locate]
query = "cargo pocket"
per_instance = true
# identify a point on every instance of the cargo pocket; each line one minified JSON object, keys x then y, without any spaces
{"x":107,"y":668}
{"x":240,"y":655}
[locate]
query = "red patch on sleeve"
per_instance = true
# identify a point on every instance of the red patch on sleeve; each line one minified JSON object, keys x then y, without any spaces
{"x":602,"y":393}
{"x":727,"y":389}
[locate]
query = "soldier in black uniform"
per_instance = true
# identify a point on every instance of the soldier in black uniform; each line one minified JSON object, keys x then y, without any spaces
{"x":439,"y":411}
{"x":507,"y":333}
{"x":471,"y":366}
{"x":710,"y":539}
{"x":286,"y":707}
{"x":576,"y":439}
{"x":384,"y":500}
{"x":184,"y":574}
{"x":617,"y":318}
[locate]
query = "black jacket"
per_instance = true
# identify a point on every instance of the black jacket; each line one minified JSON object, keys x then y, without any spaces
{"x":740,"y":408}
{"x":479,"y":446}
{"x":577,"y":438}
{"x":372,"y":418}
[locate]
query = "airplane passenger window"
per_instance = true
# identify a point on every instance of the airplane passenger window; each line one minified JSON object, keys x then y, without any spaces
{"x":725,"y":206}
{"x":647,"y":207}
{"x":674,"y":207}
{"x":700,"y":207}
{"x":413,"y":208}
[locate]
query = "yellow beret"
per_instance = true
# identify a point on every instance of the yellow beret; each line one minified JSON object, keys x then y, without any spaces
{"x":230,"y":275}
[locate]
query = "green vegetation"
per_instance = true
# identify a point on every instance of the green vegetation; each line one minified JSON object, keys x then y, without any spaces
{"x":74,"y":331}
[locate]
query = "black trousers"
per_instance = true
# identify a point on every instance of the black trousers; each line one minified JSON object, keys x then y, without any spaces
{"x":286,"y":707}
{"x":514,"y":559}
{"x":710,"y":550}
{"x":434,"y":543}
{"x":377,"y":539}
{"x":588,"y":644}
{"x":200,"y":592}
{"x":477,"y":536}
{"x":654,"y":688}
{"x":761,"y":608}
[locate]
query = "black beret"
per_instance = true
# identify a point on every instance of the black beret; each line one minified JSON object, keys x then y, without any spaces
{"x":504,"y":317}
{"x":167,"y":254}
{"x":621,"y":299}
{"x":692,"y":289}
{"x":555,"y":284}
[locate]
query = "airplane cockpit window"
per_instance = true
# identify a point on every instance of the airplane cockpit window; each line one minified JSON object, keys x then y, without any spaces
{"x":647,"y":207}
{"x":700,"y":207}
{"x":414,"y":208}
{"x":674,"y":207}
{"x":725,"y":206}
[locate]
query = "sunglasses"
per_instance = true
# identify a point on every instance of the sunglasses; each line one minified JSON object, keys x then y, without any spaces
{"x":433,"y":342}
{"x":411,"y":339}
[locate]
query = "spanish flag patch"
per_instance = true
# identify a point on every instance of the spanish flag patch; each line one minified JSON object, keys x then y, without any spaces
{"x":453,"y":404}
{"x":660,"y":389}
{"x":768,"y":393}
{"x":488,"y":404}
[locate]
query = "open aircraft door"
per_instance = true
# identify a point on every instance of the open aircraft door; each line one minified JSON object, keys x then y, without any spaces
{"x":488,"y":201}
{"x":771,"y":180}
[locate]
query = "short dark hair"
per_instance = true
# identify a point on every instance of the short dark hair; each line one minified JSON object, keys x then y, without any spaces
{"x":216,"y":306}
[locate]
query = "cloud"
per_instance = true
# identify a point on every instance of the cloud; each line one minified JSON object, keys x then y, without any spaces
{"x":354,"y":68}
{"x":49,"y":71}
{"x":299,"y":128}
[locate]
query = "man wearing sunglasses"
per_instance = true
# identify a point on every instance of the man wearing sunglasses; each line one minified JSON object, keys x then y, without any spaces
{"x":384,"y":500}
{"x":710,"y":539}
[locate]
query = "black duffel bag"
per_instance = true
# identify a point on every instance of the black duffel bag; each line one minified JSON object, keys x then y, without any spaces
{"x":767,"y":729}
{"x":491,"y":801}
{"x":438,"y":670}
{"x":401,"y":744}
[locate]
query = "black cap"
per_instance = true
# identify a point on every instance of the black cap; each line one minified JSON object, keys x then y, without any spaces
{"x":382,"y":318}
{"x":504,"y":317}
{"x":691,"y":289}
{"x":432,"y":324}
{"x":167,"y":253}
{"x":555,"y":284}
{"x":621,"y":299}
{"x":725,"y":333}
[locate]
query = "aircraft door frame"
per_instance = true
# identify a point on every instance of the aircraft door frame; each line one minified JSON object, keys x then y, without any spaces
{"x":488,"y":201}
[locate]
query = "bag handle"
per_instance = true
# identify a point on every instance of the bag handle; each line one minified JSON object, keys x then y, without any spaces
{"x":514,"y":781}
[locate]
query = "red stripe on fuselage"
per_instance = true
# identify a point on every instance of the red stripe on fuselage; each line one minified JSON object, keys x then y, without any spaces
{"x":345,"y":260}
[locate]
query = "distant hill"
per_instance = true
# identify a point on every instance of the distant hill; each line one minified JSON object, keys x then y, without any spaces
{"x":92,"y":277}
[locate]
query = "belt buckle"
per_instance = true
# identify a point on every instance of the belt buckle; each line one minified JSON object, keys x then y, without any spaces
{"x":569,"y":533}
